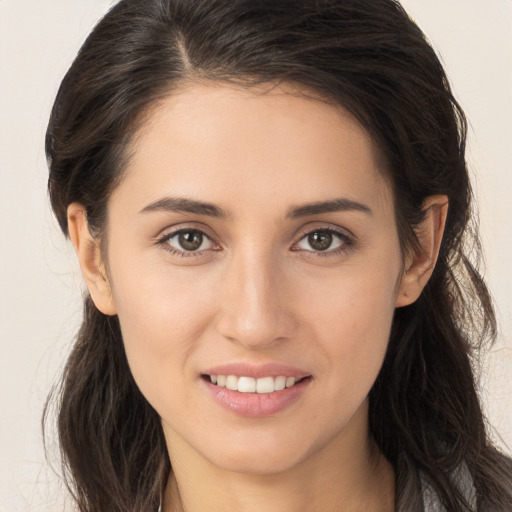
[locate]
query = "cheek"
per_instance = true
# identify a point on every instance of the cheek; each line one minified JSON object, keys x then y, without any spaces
{"x":162,"y":314}
{"x":352,"y":316}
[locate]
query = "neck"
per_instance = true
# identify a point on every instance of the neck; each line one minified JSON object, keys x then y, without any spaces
{"x":349,"y":474}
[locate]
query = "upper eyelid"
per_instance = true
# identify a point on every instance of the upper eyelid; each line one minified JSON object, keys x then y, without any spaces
{"x":337,"y":230}
{"x":168,"y":232}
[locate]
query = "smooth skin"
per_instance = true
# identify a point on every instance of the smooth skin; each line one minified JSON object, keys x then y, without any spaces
{"x":254,"y":278}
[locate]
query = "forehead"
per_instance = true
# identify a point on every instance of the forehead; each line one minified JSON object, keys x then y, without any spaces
{"x":222,"y":143}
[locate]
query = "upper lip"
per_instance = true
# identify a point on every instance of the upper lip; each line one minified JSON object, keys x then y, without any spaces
{"x":257,"y":371}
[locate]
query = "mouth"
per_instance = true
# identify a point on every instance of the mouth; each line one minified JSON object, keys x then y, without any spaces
{"x":246,"y":384}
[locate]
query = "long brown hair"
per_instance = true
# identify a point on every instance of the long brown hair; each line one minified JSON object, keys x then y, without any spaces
{"x":366,"y":55}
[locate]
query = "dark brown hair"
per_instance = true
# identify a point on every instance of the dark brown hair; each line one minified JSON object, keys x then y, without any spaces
{"x":367,"y":56}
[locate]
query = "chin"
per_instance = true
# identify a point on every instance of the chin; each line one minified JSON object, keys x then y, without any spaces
{"x":257,"y":464}
{"x":261,"y":455}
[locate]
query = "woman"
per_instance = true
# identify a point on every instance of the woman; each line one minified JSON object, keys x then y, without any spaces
{"x":270,"y":204}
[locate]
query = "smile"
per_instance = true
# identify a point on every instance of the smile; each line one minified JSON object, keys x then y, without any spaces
{"x":263,"y":385}
{"x":255,"y":397}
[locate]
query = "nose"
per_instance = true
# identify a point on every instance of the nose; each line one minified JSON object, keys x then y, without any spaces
{"x":253,"y":308}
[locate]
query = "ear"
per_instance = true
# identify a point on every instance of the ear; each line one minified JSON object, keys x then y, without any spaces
{"x":89,"y":255}
{"x":420,"y":263}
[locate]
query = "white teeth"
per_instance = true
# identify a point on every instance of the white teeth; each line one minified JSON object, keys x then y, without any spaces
{"x":244,"y":384}
{"x":265,"y":385}
{"x":280,"y":383}
{"x":290,"y":381}
{"x":232,"y":382}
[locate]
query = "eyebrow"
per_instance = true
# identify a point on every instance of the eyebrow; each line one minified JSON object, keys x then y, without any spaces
{"x":334,"y":205}
{"x":181,"y":204}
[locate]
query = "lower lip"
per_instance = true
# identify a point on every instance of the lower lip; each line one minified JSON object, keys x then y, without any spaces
{"x":256,"y":405}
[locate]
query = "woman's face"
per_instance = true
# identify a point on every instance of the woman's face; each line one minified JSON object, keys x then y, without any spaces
{"x":253,"y":237}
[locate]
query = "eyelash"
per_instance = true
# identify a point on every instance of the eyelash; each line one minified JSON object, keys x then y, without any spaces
{"x":347,"y":242}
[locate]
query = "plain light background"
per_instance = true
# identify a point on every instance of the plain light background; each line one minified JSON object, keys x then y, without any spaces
{"x":40,"y":286}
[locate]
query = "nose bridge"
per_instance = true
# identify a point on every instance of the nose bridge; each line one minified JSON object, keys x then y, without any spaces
{"x":252,"y":308}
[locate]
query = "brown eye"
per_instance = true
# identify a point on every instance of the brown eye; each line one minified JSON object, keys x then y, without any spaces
{"x":320,"y":240}
{"x":323,"y":240}
{"x":188,"y":240}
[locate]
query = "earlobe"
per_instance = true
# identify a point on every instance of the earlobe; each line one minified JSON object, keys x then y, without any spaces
{"x":88,"y":251}
{"x":420,"y":263}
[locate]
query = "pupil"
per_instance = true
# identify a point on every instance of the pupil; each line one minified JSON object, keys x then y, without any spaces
{"x":191,"y":240}
{"x":320,"y":241}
